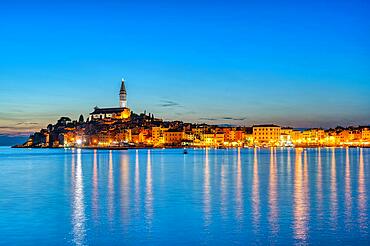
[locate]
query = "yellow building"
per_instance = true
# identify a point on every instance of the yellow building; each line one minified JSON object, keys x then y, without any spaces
{"x":171,"y":137}
{"x":266,"y":135}
{"x":189,"y":136}
{"x":313,"y":136}
{"x":296,"y":136}
{"x":248,"y":139}
{"x":213,"y":139}
{"x":365,"y":133}
{"x":286,"y":138}
{"x":157,"y":135}
{"x":286,"y":131}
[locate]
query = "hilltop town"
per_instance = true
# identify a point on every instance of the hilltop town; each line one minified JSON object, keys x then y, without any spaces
{"x":119,"y":127}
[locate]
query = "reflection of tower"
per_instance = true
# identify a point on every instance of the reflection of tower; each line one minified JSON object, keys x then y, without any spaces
{"x":122,"y":95}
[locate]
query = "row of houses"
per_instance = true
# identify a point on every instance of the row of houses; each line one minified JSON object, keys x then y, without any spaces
{"x":213,"y":136}
{"x":143,"y":130}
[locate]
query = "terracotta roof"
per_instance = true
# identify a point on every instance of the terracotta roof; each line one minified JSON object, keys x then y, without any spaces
{"x":266,"y":125}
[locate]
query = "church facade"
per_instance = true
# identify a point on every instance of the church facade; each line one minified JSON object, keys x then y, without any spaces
{"x":121,"y":112}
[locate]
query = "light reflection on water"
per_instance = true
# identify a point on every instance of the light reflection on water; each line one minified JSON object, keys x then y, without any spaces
{"x":362,"y":203}
{"x":125,"y":188}
{"x":348,"y":198}
{"x":110,"y":188}
{"x":255,"y":193}
{"x":137,"y":183}
{"x":149,"y":192}
{"x":240,"y":196}
{"x":319,"y":186}
{"x":207,"y":194}
{"x":333,"y":190}
{"x":239,"y":189}
{"x":95,"y":198}
{"x":301,"y":205}
{"x":273,"y":195}
{"x":78,"y":219}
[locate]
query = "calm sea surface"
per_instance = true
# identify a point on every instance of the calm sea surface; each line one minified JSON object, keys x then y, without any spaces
{"x":163,"y":197}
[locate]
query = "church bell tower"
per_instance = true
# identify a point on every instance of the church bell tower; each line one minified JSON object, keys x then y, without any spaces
{"x":122,"y":95}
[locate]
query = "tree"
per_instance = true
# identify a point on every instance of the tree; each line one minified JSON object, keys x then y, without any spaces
{"x":81,"y":119}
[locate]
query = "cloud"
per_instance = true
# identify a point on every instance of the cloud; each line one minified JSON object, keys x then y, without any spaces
{"x":26,"y":123}
{"x":208,"y":119}
{"x":18,"y":129}
{"x":169,"y":103}
{"x":223,"y":118}
{"x":8,"y":127}
{"x":232,"y":118}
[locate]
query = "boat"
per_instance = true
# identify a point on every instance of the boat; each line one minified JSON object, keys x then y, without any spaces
{"x":185,"y":151}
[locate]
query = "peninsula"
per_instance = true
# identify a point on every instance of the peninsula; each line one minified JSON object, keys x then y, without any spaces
{"x":119,"y":127}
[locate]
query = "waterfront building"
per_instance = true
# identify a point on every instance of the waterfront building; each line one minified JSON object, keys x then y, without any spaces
{"x":345,"y":136}
{"x":172,"y":137}
{"x":189,"y":136}
{"x":233,"y":136}
{"x":157,"y":135}
{"x":229,"y":134}
{"x":286,"y":131}
{"x":266,"y":134}
{"x":144,"y":136}
{"x":248,"y":139}
{"x":365,"y":133}
{"x":286,"y":139}
{"x":296,"y":136}
{"x":312,"y":137}
{"x":332,"y":139}
{"x":213,"y":139}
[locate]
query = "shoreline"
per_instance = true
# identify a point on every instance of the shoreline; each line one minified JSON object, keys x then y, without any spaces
{"x":181,"y":147}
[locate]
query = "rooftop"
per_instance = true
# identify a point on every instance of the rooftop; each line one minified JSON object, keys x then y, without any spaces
{"x":107,"y":110}
{"x":266,"y":125}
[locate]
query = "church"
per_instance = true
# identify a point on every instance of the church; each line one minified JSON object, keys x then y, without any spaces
{"x":121,"y":112}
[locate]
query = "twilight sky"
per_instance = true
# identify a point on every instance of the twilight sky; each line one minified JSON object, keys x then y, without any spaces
{"x":296,"y":63}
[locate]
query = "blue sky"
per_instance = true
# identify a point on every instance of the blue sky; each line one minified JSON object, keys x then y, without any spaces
{"x":296,"y":63}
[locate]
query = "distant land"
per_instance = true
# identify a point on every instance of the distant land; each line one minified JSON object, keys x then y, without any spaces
{"x":9,"y":140}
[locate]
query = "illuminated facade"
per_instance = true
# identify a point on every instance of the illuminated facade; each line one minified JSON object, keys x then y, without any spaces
{"x":266,"y":134}
{"x":120,"y":113}
{"x":157,"y":135}
{"x":365,"y":134}
{"x":286,"y":137}
{"x":173,"y":137}
{"x":213,"y":139}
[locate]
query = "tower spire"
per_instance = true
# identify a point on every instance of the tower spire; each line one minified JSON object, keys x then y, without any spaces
{"x":123,"y":95}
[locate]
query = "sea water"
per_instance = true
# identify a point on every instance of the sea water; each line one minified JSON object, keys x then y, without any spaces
{"x":165,"y":197}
